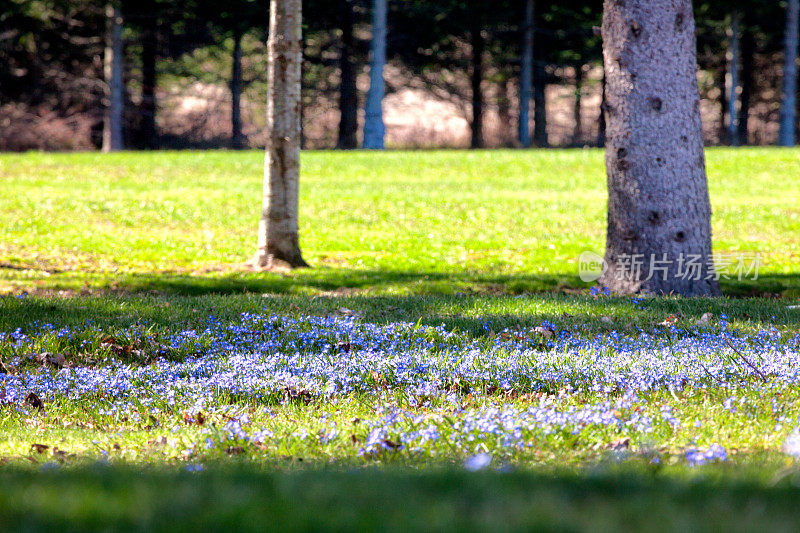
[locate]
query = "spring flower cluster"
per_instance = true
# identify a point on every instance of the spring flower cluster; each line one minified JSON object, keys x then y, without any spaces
{"x":270,"y":360}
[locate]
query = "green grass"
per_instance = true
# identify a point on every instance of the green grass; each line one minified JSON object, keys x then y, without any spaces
{"x":243,"y":500}
{"x":156,"y":241}
{"x":387,"y":223}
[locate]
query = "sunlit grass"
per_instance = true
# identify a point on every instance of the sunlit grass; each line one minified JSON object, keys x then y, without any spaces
{"x":448,"y":221}
{"x":126,"y":250}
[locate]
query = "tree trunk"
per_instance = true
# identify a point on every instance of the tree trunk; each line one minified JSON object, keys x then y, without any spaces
{"x":539,"y":98}
{"x":348,"y":95}
{"x":112,"y":123}
{"x":526,"y":77}
{"x":577,"y":133}
{"x":506,"y":136}
{"x":478,"y":45}
{"x":149,"y":135}
{"x":659,"y":215}
{"x":789,"y":101}
{"x":278,"y":242}
{"x":748,"y":50}
{"x":721,"y":83}
{"x":601,"y":121}
{"x":374,"y":129}
{"x":237,"y":137}
{"x":732,"y":81}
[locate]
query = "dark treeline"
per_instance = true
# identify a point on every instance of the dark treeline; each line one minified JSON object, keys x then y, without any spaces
{"x":192,"y":74}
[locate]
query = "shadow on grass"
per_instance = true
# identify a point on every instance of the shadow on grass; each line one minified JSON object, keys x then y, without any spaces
{"x":391,"y":499}
{"x":473,"y":302}
{"x":344,"y":281}
{"x":477,"y":313}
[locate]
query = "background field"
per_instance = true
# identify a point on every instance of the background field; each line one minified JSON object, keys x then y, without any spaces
{"x":371,"y":223}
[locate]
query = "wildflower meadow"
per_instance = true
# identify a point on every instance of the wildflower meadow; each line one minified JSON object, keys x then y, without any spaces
{"x":152,"y":391}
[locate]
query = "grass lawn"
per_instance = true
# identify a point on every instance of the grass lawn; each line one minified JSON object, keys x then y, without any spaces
{"x":394,"y":223}
{"x":155,"y":380}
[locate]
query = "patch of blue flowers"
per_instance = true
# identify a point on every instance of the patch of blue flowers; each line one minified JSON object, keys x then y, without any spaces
{"x":272,"y":359}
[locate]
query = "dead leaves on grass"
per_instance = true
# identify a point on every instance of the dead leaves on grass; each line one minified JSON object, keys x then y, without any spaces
{"x":194,"y":419}
{"x":55,"y":453}
{"x":55,"y":360}
{"x":34,"y":401}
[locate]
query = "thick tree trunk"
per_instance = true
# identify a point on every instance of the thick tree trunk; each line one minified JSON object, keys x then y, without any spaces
{"x":374,"y":129}
{"x":278,"y":242}
{"x":237,"y":137}
{"x":577,"y":132}
{"x":526,"y":77}
{"x":112,"y":123}
{"x":478,"y":45}
{"x":659,"y":215}
{"x":789,"y":101}
{"x":748,"y":49}
{"x":732,"y":80}
{"x":348,"y":95}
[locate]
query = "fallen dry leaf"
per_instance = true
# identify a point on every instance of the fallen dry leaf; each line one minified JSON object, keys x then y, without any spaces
{"x":705,"y":319}
{"x":669,"y":321}
{"x":621,"y":444}
{"x":391,"y":444}
{"x":39,"y":448}
{"x":56,"y":360}
{"x":34,"y":401}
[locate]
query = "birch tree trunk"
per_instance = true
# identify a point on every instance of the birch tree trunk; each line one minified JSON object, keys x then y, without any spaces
{"x":374,"y":129}
{"x":278,"y":242}
{"x":237,"y":138}
{"x":789,"y":102}
{"x":112,"y":122}
{"x":659,"y":215}
{"x":526,"y":77}
{"x":732,"y":80}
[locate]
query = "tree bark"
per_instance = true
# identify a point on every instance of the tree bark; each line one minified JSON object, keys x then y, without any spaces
{"x":659,"y":215}
{"x":789,"y":102}
{"x":278,"y":241}
{"x":526,"y":77}
{"x":237,"y":137}
{"x":149,"y":39}
{"x":748,"y":50}
{"x":721,"y":83}
{"x":601,"y":121}
{"x":374,"y":129}
{"x":115,"y":84}
{"x":506,"y":135}
{"x":478,"y":46}
{"x":539,"y":98}
{"x":348,"y":94}
{"x":732,"y":80}
{"x":577,"y":133}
